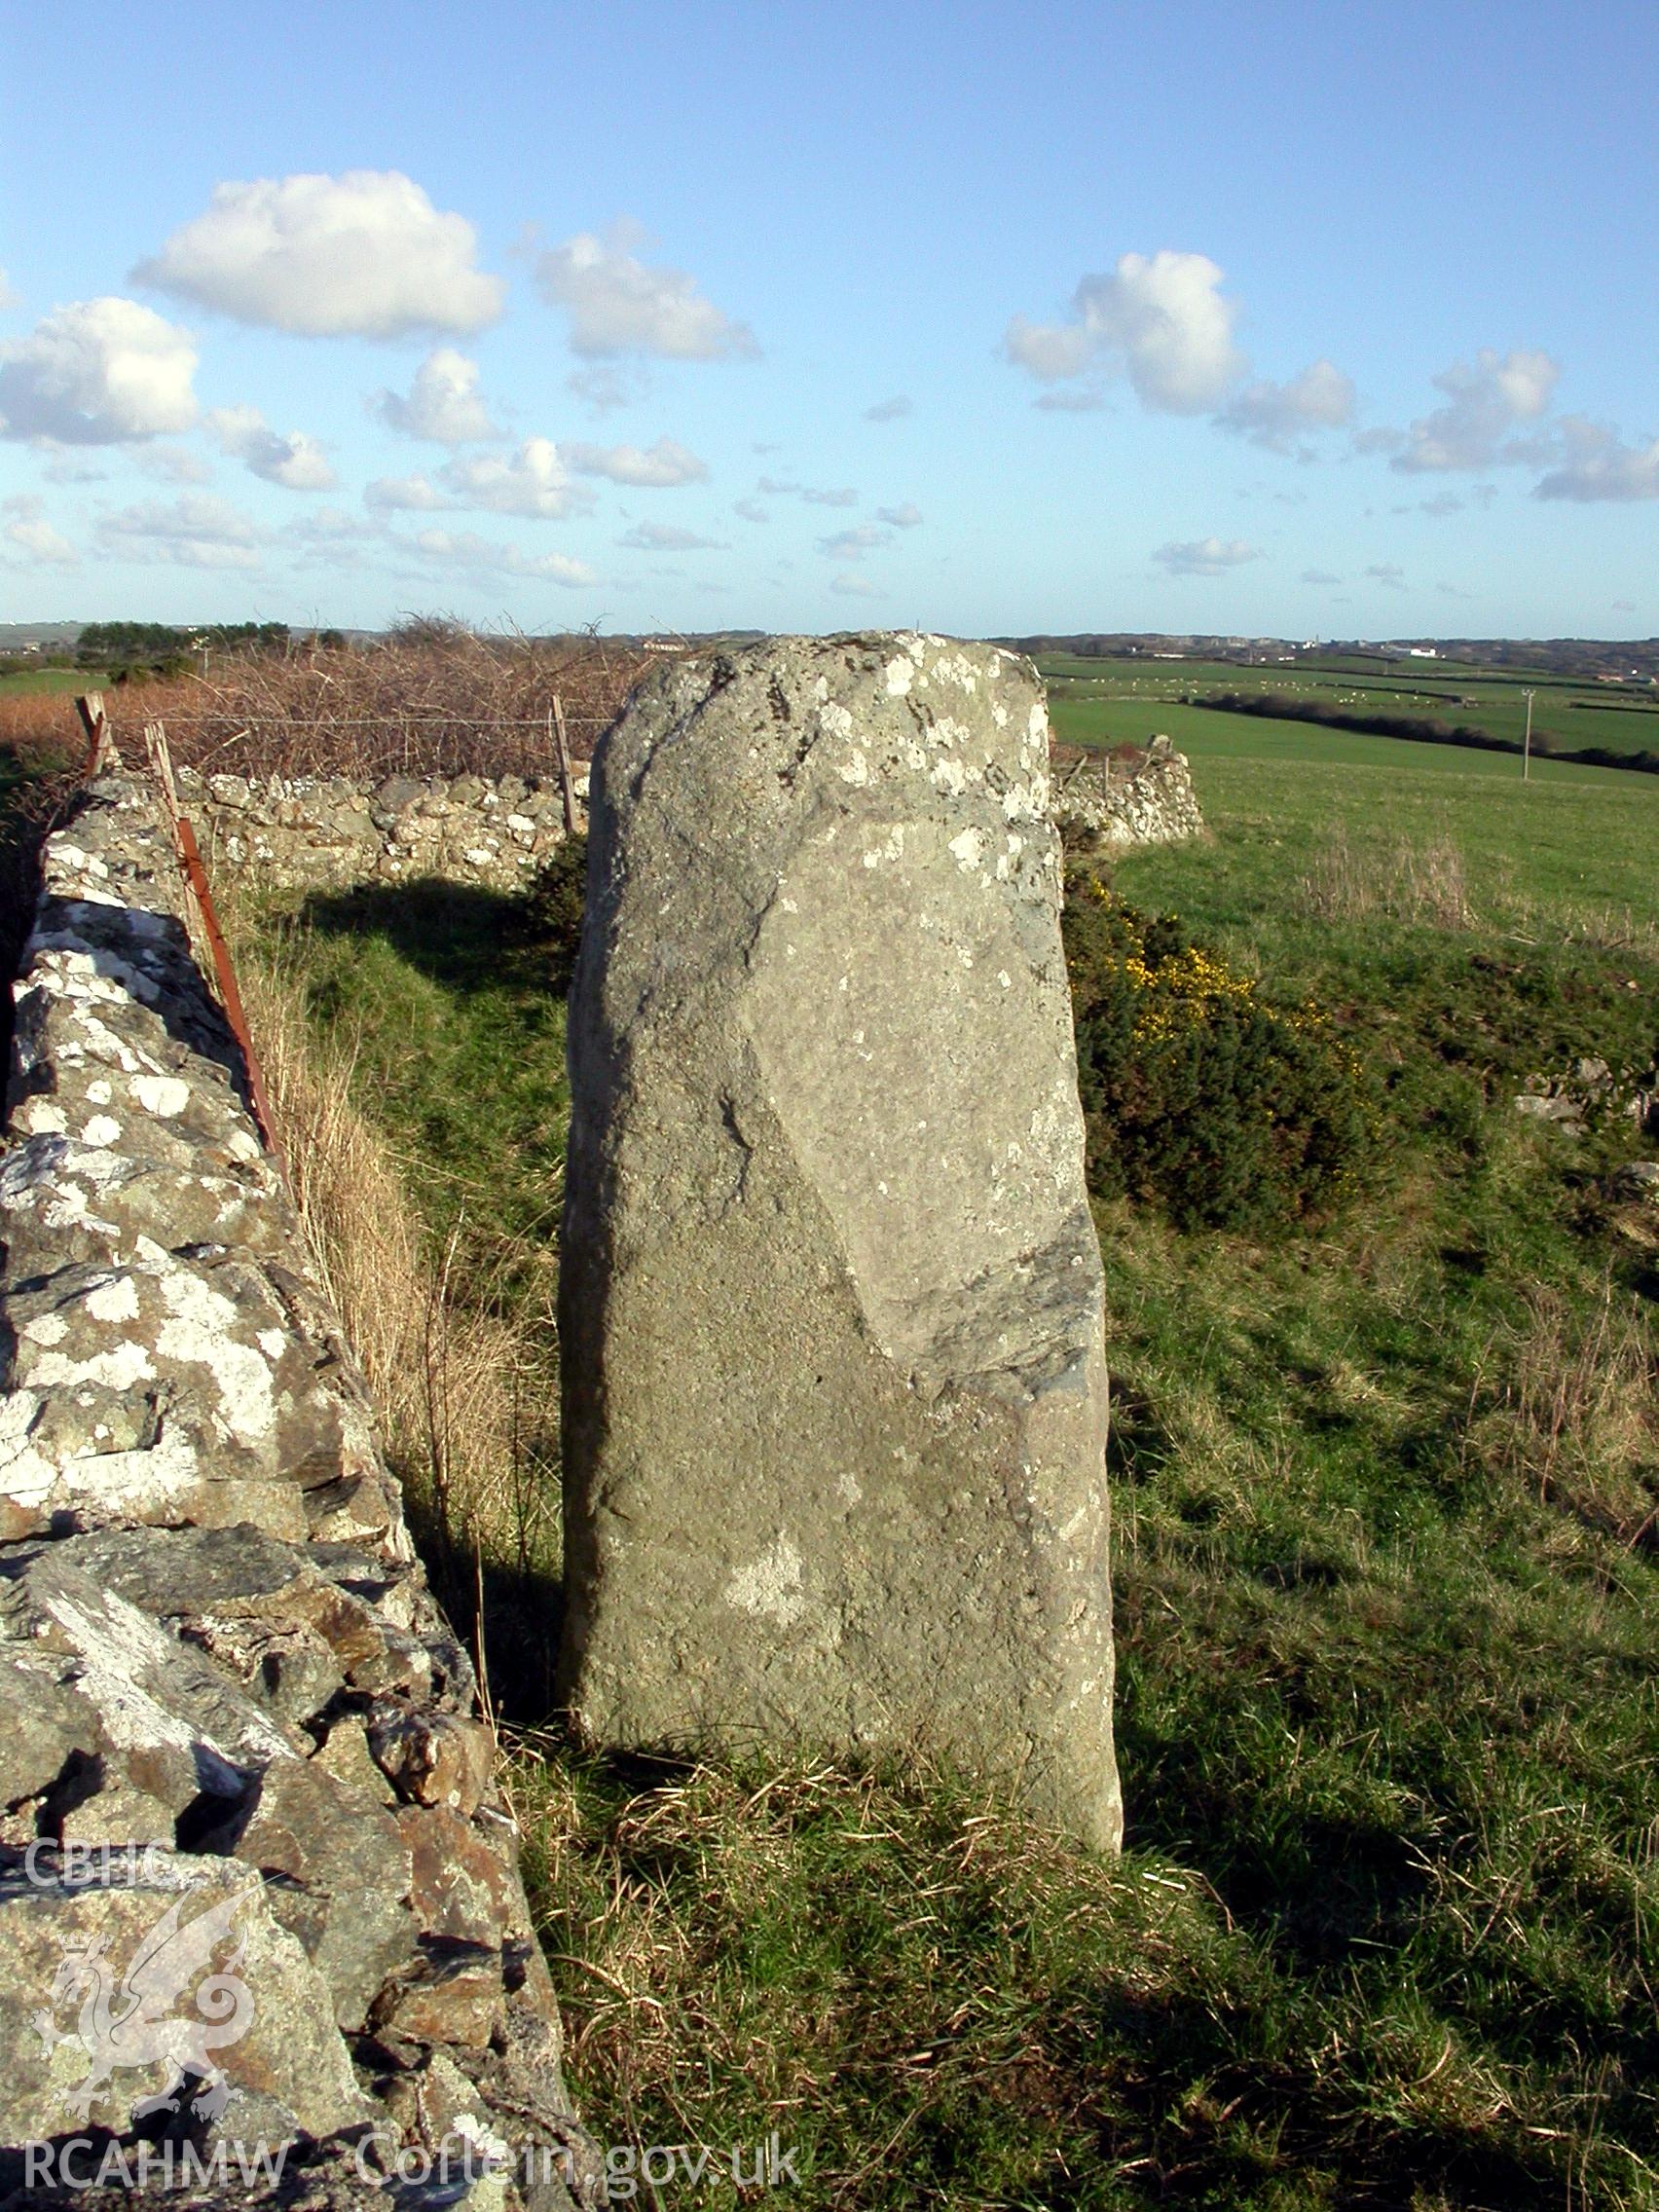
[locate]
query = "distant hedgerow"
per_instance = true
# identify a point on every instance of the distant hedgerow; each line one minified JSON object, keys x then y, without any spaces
{"x":1201,"y":1097}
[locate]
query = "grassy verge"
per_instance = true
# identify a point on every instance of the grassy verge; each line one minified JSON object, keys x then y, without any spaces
{"x":1386,"y":1580}
{"x":416,"y":1059}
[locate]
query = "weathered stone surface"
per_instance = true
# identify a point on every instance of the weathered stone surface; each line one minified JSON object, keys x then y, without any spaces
{"x":433,"y":1758}
{"x":832,"y":1299}
{"x":140,"y":1392}
{"x":344,"y":1891}
{"x":312,"y":832}
{"x":80,"y":2050}
{"x":452,"y":1995}
{"x":1638,"y":1179}
{"x":460,"y":1888}
{"x":292,"y":1624}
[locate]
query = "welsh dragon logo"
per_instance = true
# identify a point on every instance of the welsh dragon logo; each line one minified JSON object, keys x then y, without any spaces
{"x":169,"y":2005}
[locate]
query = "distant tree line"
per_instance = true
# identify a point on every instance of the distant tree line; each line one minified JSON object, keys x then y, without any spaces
{"x":125,"y":649}
{"x":1422,"y":730}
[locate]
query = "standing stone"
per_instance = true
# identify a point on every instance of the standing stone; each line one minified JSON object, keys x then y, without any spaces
{"x":831,"y":1302}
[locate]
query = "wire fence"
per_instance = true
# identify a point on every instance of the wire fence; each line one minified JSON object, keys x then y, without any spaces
{"x":465,"y":707}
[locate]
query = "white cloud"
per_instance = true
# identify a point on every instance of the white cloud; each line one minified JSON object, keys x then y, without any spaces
{"x":663,"y":538}
{"x":1320,"y":576}
{"x":1596,"y":464}
{"x":74,"y":468}
{"x":175,"y":464}
{"x":444,"y":405}
{"x":295,"y":460}
{"x":364,"y":255}
{"x":330,"y":526}
{"x":8,"y":297}
{"x":33,"y":535}
{"x":1205,"y":556}
{"x":1160,"y":320}
{"x":99,"y":371}
{"x":331,"y":537}
{"x":851,"y":586}
{"x":751,"y":510}
{"x":532,"y":482}
{"x":196,"y":532}
{"x":776,"y":488}
{"x":617,"y":305}
{"x":663,"y":464}
{"x":1484,"y":403}
{"x":905,"y":517}
{"x":1388,"y":573}
{"x":891,"y":410}
{"x":466,"y":551}
{"x":405,"y":494}
{"x":1050,"y":350}
{"x":1278,"y":415}
{"x":605,"y":384}
{"x":853,"y":544}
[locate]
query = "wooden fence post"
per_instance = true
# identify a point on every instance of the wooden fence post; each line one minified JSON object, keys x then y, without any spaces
{"x":196,"y":875}
{"x":566,"y":784}
{"x":100,"y":746}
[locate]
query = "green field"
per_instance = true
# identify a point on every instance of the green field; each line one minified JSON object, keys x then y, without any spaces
{"x":27,"y":682}
{"x":1386,"y":1493}
{"x":1094,"y":702}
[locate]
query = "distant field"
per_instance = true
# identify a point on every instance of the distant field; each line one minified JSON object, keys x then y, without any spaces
{"x":1203,"y":733}
{"x":24,"y":682}
{"x":1568,"y":715}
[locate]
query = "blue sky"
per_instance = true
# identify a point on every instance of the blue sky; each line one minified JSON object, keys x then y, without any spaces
{"x":1304,"y":319}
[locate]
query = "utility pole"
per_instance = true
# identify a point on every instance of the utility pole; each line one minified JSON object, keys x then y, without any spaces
{"x":1526,"y":745}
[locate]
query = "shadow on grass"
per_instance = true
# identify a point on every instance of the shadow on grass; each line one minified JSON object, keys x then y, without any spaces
{"x":509,"y":1614}
{"x":458,"y":934}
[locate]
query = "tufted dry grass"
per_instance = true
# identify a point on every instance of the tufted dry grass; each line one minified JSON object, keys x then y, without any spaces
{"x":445,"y":1370}
{"x":1401,"y":880}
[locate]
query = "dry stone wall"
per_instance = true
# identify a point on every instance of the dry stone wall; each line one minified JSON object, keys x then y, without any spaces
{"x":1130,"y":797}
{"x":257,"y":1877}
{"x":324,"y":832}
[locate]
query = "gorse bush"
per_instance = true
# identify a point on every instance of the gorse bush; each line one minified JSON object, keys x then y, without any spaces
{"x":551,"y":909}
{"x":1201,"y":1097}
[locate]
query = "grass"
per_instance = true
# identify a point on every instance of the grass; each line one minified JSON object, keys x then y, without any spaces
{"x":51,"y":683}
{"x":416,"y":1061}
{"x":1385,"y":1593}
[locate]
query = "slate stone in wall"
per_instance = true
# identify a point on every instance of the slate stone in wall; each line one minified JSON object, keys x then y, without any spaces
{"x":832,"y":1299}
